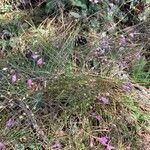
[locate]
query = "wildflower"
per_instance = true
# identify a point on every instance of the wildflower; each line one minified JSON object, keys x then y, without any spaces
{"x":40,"y":61}
{"x":56,"y":145}
{"x":29,"y":82}
{"x":103,"y":140}
{"x":2,"y":146}
{"x":127,"y":86}
{"x":104,"y":99}
{"x":14,"y":77}
{"x":109,"y":147}
{"x":9,"y":123}
{"x":123,"y":64}
{"x":98,"y":117}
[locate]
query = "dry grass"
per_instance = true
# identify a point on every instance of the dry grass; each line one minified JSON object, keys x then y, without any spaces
{"x":65,"y":95}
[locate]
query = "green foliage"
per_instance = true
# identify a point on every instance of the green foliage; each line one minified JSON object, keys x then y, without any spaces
{"x":5,"y":8}
{"x":75,"y":15}
{"x":84,"y":4}
{"x":138,"y":72}
{"x":65,"y":96}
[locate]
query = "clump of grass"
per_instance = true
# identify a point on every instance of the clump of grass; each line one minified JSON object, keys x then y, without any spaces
{"x":73,"y":105}
{"x":66,"y":108}
{"x":138,"y":72}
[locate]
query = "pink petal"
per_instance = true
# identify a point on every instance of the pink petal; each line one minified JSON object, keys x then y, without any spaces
{"x":40,"y":61}
{"x":98,"y":117}
{"x":2,"y":146}
{"x":29,"y":82}
{"x":104,"y":99}
{"x":9,"y":123}
{"x":14,"y":78}
{"x":56,"y":145}
{"x":103,"y":140}
{"x":127,"y":86}
{"x":109,"y":147}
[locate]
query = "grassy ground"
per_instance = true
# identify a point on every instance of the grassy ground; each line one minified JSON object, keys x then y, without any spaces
{"x":59,"y":92}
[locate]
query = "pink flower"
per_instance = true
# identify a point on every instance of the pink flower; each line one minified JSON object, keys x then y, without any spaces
{"x":29,"y":82}
{"x":109,"y":147}
{"x":103,"y":140}
{"x":14,"y":78}
{"x":2,"y":146}
{"x":56,"y":145}
{"x":9,"y":123}
{"x":104,"y":99}
{"x":98,"y":117}
{"x":123,"y":64}
{"x":40,"y":61}
{"x":127,"y":86}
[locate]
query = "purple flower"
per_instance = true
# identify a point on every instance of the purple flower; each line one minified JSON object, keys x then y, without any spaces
{"x":2,"y":146}
{"x":9,"y":123}
{"x":40,"y":61}
{"x":104,"y":99}
{"x":29,"y":82}
{"x":98,"y":117}
{"x":103,"y":140}
{"x":109,"y":147}
{"x":127,"y":86}
{"x":56,"y":145}
{"x":14,"y":77}
{"x":123,"y":64}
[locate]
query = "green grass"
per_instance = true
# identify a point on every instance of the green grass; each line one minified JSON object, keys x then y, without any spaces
{"x":138,"y":72}
{"x":64,"y":95}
